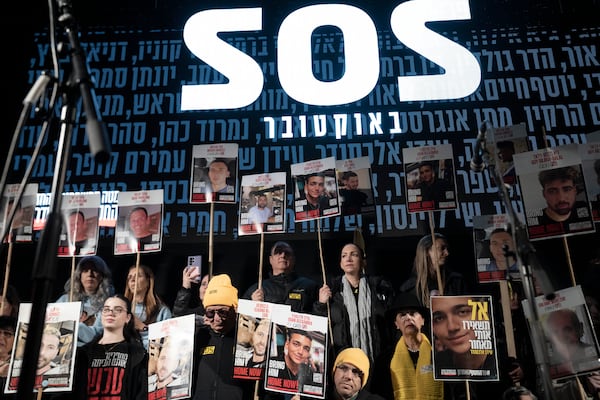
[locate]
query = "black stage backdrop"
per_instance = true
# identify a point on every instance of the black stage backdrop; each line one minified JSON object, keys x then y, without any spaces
{"x":539,"y":65}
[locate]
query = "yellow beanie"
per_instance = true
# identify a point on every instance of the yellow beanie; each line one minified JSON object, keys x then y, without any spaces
{"x":220,"y":291}
{"x":356,"y":357}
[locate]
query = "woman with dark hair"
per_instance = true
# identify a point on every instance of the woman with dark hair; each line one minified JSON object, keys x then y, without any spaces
{"x":358,"y":303}
{"x":428,"y":259}
{"x":10,"y":302}
{"x":92,"y":284}
{"x":115,"y":364}
{"x":148,"y":307}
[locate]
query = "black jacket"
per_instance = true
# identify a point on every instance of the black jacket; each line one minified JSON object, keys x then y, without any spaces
{"x":182,"y":303}
{"x":298,"y":292}
{"x":213,"y":366}
{"x":382,"y":294}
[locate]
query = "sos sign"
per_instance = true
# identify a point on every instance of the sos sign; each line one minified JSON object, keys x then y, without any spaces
{"x":361,"y":51}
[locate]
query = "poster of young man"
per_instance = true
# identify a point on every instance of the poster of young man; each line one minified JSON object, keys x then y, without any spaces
{"x":553,"y":192}
{"x":571,"y":342}
{"x":590,"y":160}
{"x":214,"y":171}
{"x":430,"y":181}
{"x":502,"y":144}
{"x":464,"y":337}
{"x":170,"y":361}
{"x":56,"y":361}
{"x":80,"y":213}
{"x":315,"y":189}
{"x":355,"y":186}
{"x":139,"y":222}
{"x":495,"y":250}
{"x":297,"y":359}
{"x":262,"y":204}
{"x":21,"y":228}
{"x":253,"y":336}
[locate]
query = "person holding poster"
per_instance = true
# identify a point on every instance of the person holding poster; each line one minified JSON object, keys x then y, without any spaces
{"x":114,"y":365}
{"x":463,"y":336}
{"x":214,"y":359}
{"x":285,"y":286}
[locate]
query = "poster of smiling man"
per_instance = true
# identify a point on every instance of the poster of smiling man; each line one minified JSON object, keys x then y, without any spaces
{"x":430,"y":181}
{"x":139,"y":222}
{"x":553,"y":191}
{"x":315,"y":189}
{"x":262,"y":204}
{"x":465,"y":342}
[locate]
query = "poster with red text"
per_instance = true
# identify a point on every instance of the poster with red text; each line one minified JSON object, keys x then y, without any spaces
{"x":316,"y":192}
{"x":430,"y":181}
{"x":554,"y":193}
{"x":21,"y":228}
{"x":56,"y":362}
{"x":170,"y":355}
{"x":297,"y":357}
{"x":571,"y":343}
{"x":79,"y":234}
{"x":139,"y":222}
{"x":214,"y":172}
{"x":262,"y":204}
{"x":253,"y":335}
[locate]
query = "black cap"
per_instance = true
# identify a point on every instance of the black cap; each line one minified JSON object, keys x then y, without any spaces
{"x":407,"y":301}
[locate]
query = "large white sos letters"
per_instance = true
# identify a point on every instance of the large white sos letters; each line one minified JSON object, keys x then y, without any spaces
{"x":461,"y":78}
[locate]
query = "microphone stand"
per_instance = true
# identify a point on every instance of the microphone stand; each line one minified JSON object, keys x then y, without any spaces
{"x":529,"y":266}
{"x":44,"y":268}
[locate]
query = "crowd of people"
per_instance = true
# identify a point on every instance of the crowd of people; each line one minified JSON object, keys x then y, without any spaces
{"x":383,"y":339}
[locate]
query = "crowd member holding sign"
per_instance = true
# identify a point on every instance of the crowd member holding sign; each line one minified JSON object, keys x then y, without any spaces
{"x":358,"y":304}
{"x":215,"y":344}
{"x":114,"y":365}
{"x":560,"y":187}
{"x":148,"y":306}
{"x":183,"y":299}
{"x":350,"y":376}
{"x":92,"y":285}
{"x":428,"y":260}
{"x":284,"y":286}
{"x":407,"y":372}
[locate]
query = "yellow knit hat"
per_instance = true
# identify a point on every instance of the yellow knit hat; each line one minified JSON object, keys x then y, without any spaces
{"x":356,"y":357}
{"x":220,"y":291}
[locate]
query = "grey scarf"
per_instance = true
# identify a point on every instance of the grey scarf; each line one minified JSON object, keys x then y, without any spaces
{"x":360,"y":320}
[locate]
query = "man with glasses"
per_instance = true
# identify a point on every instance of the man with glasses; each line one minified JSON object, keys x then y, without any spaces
{"x":350,"y":375}
{"x":563,"y":212}
{"x":216,"y":344}
{"x":284,"y":285}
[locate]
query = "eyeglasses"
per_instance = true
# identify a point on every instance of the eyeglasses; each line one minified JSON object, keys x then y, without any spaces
{"x":115,"y":311}
{"x":223,"y":313}
{"x":7,"y":334}
{"x":355,"y":371}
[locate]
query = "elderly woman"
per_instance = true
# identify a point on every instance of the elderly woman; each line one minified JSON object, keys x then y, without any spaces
{"x":92,"y":285}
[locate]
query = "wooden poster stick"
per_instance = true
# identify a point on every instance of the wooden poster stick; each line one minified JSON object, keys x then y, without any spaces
{"x":210,"y":241}
{"x":6,"y":274}
{"x":260,"y":261}
{"x":569,"y":262}
{"x":507,"y":313}
{"x":324,"y":279}
{"x":72,"y":285}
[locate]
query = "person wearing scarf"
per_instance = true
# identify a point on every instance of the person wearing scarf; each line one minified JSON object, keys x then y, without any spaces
{"x":411,"y":366}
{"x":357,"y":305}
